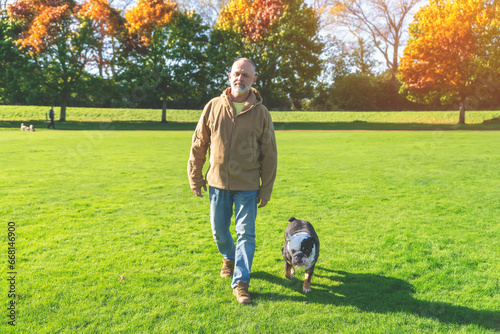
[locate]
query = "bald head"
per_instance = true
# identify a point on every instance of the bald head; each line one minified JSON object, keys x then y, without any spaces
{"x":246,"y":60}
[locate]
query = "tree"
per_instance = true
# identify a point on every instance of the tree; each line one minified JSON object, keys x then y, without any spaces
{"x":105,"y":24}
{"x":183,"y":74}
{"x":224,"y":47}
{"x":58,"y":47}
{"x":356,"y":91}
{"x":289,"y":59}
{"x":172,"y":64}
{"x":384,"y":21}
{"x":11,"y":62}
{"x":147,"y":17}
{"x":281,"y":38}
{"x":250,"y":17}
{"x":453,"y":52}
{"x":207,"y":9}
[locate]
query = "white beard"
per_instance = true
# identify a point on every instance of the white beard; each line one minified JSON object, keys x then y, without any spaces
{"x":240,"y":88}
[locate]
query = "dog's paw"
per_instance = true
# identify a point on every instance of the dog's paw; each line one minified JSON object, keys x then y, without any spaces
{"x":307,"y":287}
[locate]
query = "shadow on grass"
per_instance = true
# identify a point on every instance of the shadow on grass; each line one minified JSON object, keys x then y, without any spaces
{"x":380,"y":294}
{"x":180,"y":126}
{"x":103,"y":126}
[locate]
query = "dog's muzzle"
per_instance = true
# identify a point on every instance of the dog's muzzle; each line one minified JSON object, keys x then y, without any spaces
{"x":299,"y":259}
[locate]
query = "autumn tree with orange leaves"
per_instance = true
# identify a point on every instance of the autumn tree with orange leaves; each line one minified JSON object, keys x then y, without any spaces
{"x":453,"y":54}
{"x":106,"y":26}
{"x":147,"y":18}
{"x":251,"y":17}
{"x":59,"y":42}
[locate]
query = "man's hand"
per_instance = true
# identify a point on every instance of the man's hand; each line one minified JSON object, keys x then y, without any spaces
{"x":197,"y":191}
{"x":263,"y":202}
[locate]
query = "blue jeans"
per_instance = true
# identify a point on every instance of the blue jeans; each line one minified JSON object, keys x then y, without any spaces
{"x":245,"y":212}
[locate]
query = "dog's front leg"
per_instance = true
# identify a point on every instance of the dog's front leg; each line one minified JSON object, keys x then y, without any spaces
{"x":289,"y":270}
{"x":307,"y":280}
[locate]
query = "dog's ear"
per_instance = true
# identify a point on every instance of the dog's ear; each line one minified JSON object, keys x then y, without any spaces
{"x":291,"y":219}
{"x":316,"y":241}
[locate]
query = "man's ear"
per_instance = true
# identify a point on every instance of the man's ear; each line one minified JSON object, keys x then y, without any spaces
{"x":254,"y":80}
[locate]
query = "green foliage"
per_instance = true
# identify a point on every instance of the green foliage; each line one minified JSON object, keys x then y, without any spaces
{"x":288,"y":58}
{"x":174,"y":68}
{"x":357,"y":91}
{"x":13,"y":64}
{"x":225,"y":46}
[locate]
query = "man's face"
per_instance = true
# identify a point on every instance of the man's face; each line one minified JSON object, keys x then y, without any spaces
{"x":242,"y":77}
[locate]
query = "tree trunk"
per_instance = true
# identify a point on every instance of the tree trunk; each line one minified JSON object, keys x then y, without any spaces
{"x":62,"y":118}
{"x":164,"y":111}
{"x":64,"y":101}
{"x":461,"y":117}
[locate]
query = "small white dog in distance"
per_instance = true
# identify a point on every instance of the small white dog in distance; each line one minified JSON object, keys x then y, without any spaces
{"x":27,"y":128}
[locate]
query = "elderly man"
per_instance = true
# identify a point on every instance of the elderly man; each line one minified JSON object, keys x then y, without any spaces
{"x":238,"y":131}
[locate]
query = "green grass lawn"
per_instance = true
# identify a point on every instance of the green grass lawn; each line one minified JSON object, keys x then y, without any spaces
{"x":148,"y":119}
{"x":408,"y":223}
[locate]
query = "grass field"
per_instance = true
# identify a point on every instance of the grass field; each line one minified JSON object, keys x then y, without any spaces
{"x":148,"y":119}
{"x":408,"y":222}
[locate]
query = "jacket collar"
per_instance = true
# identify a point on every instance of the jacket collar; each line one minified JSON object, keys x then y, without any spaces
{"x":254,"y":98}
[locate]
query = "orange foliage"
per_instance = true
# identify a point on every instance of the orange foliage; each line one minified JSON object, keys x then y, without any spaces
{"x":146,"y":16}
{"x":443,"y":55}
{"x":105,"y":18}
{"x":42,"y":21}
{"x":250,"y":17}
{"x":265,"y":13}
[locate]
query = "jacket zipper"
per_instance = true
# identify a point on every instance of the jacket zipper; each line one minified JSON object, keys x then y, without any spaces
{"x":233,"y":125}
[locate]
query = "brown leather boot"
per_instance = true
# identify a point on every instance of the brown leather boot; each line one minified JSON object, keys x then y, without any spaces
{"x":241,"y":293}
{"x":227,"y":268}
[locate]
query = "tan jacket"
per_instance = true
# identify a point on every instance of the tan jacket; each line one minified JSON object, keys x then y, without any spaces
{"x":242,"y":148}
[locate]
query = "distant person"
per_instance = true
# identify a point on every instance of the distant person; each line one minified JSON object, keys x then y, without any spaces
{"x":51,"y":117}
{"x":24,"y":127}
{"x":32,"y":128}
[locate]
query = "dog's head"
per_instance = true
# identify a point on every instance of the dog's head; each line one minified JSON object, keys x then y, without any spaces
{"x":302,"y":250}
